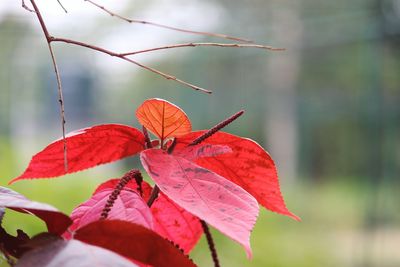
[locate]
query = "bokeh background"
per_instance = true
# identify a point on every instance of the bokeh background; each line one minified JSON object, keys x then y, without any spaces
{"x":327,"y":109}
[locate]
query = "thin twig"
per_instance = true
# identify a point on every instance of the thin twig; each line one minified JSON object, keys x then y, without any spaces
{"x":216,"y":128}
{"x":59,"y":85}
{"x":114,"y":54}
{"x":210,"y":242}
{"x":219,"y":35}
{"x":26,"y":7}
{"x":61,"y":5}
{"x":266,"y":47}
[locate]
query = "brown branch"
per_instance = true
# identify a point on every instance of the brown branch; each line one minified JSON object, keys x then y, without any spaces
{"x":121,"y":56}
{"x":219,"y":35}
{"x":26,"y":7}
{"x":266,"y":47}
{"x":59,"y":85}
{"x":61,"y":5}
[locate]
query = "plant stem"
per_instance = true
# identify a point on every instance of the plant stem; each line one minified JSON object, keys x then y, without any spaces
{"x":153,"y":196}
{"x":57,"y":73}
{"x":210,"y":242}
{"x":266,"y":47}
{"x":168,"y":27}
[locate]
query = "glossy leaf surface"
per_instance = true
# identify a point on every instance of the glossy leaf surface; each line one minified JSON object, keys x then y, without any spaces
{"x":129,"y":206}
{"x":56,"y":221}
{"x":163,"y":118}
{"x":205,"y":194}
{"x":248,"y":166}
{"x":86,"y":148}
{"x":133,"y":241}
{"x":170,"y":220}
{"x":72,"y":253}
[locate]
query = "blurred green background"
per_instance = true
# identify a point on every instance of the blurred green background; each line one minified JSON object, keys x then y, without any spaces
{"x":327,"y":109}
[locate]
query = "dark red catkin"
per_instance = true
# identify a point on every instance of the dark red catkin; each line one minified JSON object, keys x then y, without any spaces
{"x":132,"y":174}
{"x":216,"y":128}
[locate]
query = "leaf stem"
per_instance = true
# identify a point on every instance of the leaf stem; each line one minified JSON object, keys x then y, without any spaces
{"x":210,"y":242}
{"x":153,"y":196}
{"x":146,"y":138}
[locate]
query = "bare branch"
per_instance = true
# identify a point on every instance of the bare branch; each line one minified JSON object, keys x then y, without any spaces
{"x":266,"y":47}
{"x":219,"y":35}
{"x":61,"y":5}
{"x":114,"y":54}
{"x":59,"y":85}
{"x":26,"y":7}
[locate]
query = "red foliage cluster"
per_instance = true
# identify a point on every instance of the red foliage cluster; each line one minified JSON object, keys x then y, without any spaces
{"x":220,"y":179}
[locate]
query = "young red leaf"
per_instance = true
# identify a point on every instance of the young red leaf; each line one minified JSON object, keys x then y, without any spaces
{"x":129,"y":206}
{"x":72,"y":253}
{"x":170,"y":220}
{"x":248,"y":166}
{"x":133,"y":241}
{"x":163,"y":118}
{"x":56,"y":221}
{"x":86,"y":148}
{"x":205,"y":194}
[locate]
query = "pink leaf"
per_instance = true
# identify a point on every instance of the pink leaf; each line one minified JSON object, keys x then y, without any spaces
{"x":249,"y":166}
{"x":72,"y":253}
{"x":86,"y":148}
{"x":129,"y":206}
{"x":56,"y":221}
{"x":170,"y":220}
{"x":205,"y":194}
{"x":133,"y":241}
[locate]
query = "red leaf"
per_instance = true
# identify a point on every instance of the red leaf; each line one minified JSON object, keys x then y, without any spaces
{"x":133,"y":241}
{"x":205,"y":194}
{"x":170,"y":220}
{"x":72,"y":253}
{"x":192,"y":153}
{"x":129,"y":206}
{"x":249,"y":166}
{"x":163,"y":118}
{"x":56,"y":221}
{"x":175,"y":223}
{"x":86,"y":148}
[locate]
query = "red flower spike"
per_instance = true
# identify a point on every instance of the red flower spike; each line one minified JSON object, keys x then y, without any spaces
{"x":72,"y":253}
{"x":248,"y":166}
{"x":203,"y":193}
{"x":133,"y":241}
{"x":56,"y":221}
{"x":170,"y":221}
{"x":86,"y":148}
{"x":128,"y":206}
{"x":163,"y":118}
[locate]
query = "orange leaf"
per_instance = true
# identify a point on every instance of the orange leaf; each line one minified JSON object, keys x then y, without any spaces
{"x":163,"y":118}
